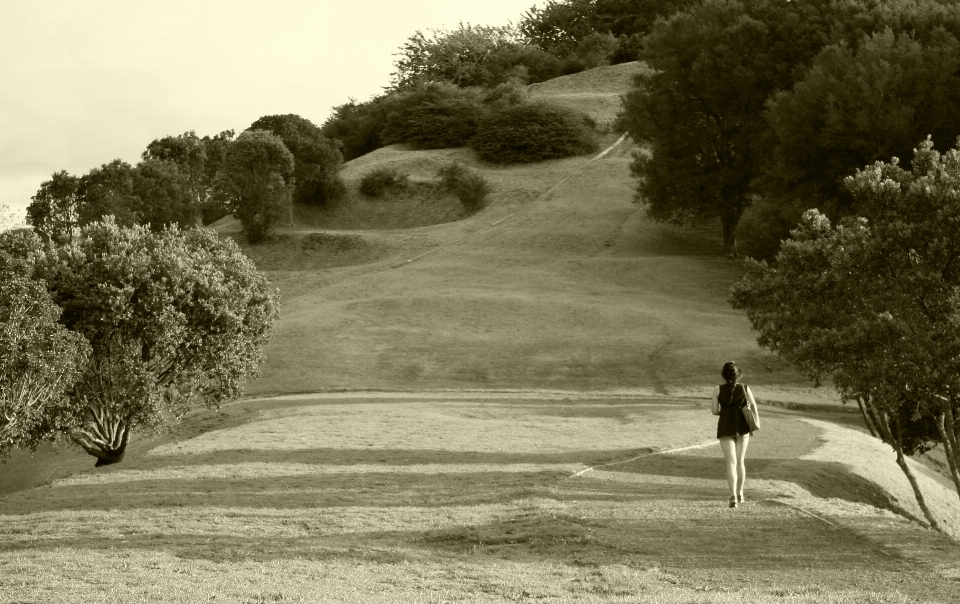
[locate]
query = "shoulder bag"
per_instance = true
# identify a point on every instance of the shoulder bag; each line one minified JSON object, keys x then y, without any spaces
{"x":750,"y":412}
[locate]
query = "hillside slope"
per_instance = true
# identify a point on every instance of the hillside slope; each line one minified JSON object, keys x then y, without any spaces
{"x":573,"y":288}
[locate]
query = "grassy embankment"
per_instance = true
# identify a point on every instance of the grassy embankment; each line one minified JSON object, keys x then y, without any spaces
{"x":602,"y":333}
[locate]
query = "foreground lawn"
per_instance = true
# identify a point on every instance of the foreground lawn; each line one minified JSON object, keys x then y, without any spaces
{"x":488,"y":500}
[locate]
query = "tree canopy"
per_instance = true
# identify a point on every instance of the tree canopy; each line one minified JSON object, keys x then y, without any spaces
{"x":198,"y":160}
{"x":699,"y":112}
{"x":873,"y":302}
{"x":854,"y":106}
{"x":559,"y":26}
{"x":40,"y":359}
{"x":166,"y":316}
{"x":256,"y":182}
{"x":317,"y":159}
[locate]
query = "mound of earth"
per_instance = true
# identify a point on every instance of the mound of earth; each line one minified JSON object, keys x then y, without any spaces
{"x":595,"y":92}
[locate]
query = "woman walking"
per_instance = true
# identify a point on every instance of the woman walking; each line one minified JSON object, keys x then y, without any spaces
{"x":733,"y":431}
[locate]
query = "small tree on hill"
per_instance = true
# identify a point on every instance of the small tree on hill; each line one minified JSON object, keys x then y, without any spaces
{"x":467,"y":56}
{"x":317,"y":159}
{"x":168,"y":317}
{"x":873,"y":303}
{"x":255,"y":182}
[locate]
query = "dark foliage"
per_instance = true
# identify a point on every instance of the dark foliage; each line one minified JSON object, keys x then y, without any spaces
{"x":533,"y":132}
{"x":436,"y":115}
{"x":471,"y":188}
{"x":317,"y":159}
{"x":380,"y":181}
{"x":700,"y":113}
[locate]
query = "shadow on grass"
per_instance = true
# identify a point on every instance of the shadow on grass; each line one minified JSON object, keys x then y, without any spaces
{"x":367,"y":487}
{"x":331,"y":456}
{"x":821,"y":479}
{"x":712,"y":542}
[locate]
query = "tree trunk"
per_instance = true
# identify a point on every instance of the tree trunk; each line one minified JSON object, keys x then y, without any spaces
{"x":897,"y":443}
{"x":866,"y":419}
{"x":105,"y":438}
{"x":950,"y":446}
{"x":729,"y":226}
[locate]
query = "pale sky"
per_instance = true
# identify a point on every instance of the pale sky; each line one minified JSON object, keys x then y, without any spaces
{"x":84,"y":82}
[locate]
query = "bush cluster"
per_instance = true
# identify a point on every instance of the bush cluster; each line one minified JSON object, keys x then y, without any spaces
{"x":471,"y":188}
{"x":503,"y":124}
{"x":380,"y":181}
{"x":531,"y":132}
{"x":436,"y":115}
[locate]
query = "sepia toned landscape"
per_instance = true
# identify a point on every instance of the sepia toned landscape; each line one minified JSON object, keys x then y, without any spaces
{"x":514,"y":408}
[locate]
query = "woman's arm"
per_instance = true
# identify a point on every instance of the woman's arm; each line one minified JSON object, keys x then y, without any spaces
{"x":750,"y":400}
{"x":715,"y":408}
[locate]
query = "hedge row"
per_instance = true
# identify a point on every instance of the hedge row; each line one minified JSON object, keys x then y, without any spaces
{"x":502,"y":124}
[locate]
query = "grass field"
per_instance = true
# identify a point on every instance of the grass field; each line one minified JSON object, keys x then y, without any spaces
{"x":450,"y":499}
{"x":504,"y":407}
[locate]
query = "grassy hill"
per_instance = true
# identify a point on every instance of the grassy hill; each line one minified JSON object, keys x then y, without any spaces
{"x":542,"y":431}
{"x":572,"y":289}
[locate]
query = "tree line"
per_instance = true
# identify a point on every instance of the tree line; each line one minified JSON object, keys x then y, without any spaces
{"x":756,"y":110}
{"x":191,"y":181}
{"x":449,"y":75}
{"x":117,"y":314}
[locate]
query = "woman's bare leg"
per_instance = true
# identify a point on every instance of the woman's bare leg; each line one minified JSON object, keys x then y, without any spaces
{"x":742,"y":443}
{"x":730,"y":448}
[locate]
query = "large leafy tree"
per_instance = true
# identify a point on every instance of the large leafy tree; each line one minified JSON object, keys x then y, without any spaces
{"x":40,"y":359}
{"x":168,"y":317}
{"x":699,"y":112}
{"x":874,"y":303}
{"x":854,"y":106}
{"x":558,"y":26}
{"x":256,"y":182}
{"x":466,"y":56}
{"x":317,"y":159}
{"x":198,"y":160}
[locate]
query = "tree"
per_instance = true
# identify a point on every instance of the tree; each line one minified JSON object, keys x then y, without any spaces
{"x":255,"y":182}
{"x":873,"y":303}
{"x":198,"y":160}
{"x":559,"y":26}
{"x":467,"y":56}
{"x":108,"y":191}
{"x":317,"y":159}
{"x":700,"y":111}
{"x":39,"y":358}
{"x":169,"y":317}
{"x":55,"y":209}
{"x":855,"y":106}
{"x":164,"y":195}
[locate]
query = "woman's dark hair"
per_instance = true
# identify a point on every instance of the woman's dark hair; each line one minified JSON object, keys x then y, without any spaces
{"x":730,"y":372}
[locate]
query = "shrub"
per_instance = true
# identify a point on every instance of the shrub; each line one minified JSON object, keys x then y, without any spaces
{"x":471,"y":188}
{"x":436,"y":115}
{"x":533,"y":132}
{"x":360,"y":127}
{"x":382,"y":180}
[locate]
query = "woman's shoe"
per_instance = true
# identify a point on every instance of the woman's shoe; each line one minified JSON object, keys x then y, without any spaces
{"x":740,"y":498}
{"x":733,"y":501}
